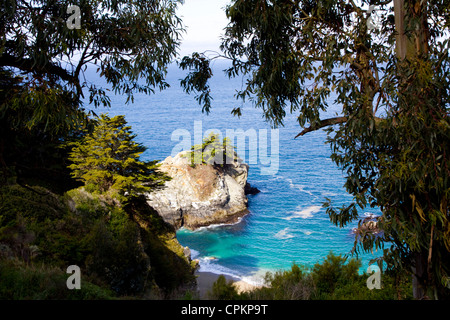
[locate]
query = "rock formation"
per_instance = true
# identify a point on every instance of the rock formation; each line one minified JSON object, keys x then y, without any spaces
{"x":201,"y":195}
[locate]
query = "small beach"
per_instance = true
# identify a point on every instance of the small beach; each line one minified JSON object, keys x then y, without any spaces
{"x":205,"y":281}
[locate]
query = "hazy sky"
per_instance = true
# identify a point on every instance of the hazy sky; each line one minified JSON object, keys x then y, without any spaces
{"x":204,"y":21}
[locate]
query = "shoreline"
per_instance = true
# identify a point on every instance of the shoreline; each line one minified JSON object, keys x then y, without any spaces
{"x":231,"y":220}
{"x":217,"y":225}
{"x":206,"y":279}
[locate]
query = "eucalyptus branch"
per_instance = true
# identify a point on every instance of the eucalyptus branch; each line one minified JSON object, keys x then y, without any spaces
{"x":322,"y":123}
{"x":24,"y":64}
{"x":82,"y":59}
{"x":328,"y":122}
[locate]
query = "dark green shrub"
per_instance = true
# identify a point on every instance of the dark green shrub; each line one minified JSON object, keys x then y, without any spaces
{"x":223,"y":290}
{"x":119,"y":258}
{"x":334,"y":273}
{"x":293,"y":284}
{"x":335,"y":278}
{"x":41,"y":282}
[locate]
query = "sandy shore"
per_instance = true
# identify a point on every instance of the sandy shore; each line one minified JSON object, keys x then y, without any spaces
{"x":205,"y":281}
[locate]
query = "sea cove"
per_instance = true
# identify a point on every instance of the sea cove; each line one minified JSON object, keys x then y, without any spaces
{"x":225,"y":150}
{"x":286,"y":222}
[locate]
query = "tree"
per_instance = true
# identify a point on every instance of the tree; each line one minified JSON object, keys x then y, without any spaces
{"x":213,"y":151}
{"x":43,"y":62}
{"x":107,"y":161}
{"x":392,"y":136}
{"x":223,"y":289}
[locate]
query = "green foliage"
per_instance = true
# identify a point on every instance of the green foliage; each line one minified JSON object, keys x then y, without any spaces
{"x":333,"y":273}
{"x":213,"y":151}
{"x":104,"y":227}
{"x":294,"y":284}
{"x":36,"y":226}
{"x":107,"y":161}
{"x":197,"y":79}
{"x":223,"y":289}
{"x":131,"y":248}
{"x":119,"y":258}
{"x":43,"y":78}
{"x":335,"y":278}
{"x":41,"y":282}
{"x":130,"y":42}
{"x":88,"y":206}
{"x":89,"y":230}
{"x":170,"y":268}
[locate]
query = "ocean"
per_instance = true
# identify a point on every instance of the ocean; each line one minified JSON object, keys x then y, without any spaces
{"x":287,"y":222}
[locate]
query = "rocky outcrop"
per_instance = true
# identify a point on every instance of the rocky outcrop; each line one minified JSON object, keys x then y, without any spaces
{"x":201,"y":195}
{"x":369,"y":225}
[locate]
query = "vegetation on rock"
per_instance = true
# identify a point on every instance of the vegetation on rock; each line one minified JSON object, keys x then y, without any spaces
{"x":213,"y":151}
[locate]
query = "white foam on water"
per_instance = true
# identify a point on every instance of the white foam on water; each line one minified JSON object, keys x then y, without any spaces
{"x":212,"y":265}
{"x":309,"y":232}
{"x":218,"y":225}
{"x":209,"y":264}
{"x":255,"y":280}
{"x":293,"y":185}
{"x":283,"y":234}
{"x":305,"y":213}
{"x":299,"y":187}
{"x":194,"y":253}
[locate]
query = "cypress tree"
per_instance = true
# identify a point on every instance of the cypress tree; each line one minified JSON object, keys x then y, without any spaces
{"x":108,"y":161}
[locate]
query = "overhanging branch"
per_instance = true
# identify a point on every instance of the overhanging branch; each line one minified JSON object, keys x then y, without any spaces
{"x":321,"y":124}
{"x":329,"y":122}
{"x":7,"y":60}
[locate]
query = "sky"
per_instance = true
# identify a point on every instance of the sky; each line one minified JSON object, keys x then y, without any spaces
{"x":204,"y":21}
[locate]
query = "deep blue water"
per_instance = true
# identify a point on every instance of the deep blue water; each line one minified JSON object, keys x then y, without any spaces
{"x":286,"y":223}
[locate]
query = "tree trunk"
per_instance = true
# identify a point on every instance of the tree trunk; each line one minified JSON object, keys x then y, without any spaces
{"x":400,"y":37}
{"x":419,"y":276}
{"x":409,"y":47}
{"x":415,"y":43}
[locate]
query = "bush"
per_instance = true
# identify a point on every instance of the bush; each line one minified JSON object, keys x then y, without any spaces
{"x":119,"y":258}
{"x":95,"y":233}
{"x":334,"y":273}
{"x":223,"y":290}
{"x":335,"y":278}
{"x":293,"y":284}
{"x":41,"y":282}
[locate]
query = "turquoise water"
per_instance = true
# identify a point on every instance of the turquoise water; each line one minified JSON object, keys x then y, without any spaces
{"x":286,"y":222}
